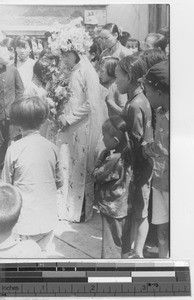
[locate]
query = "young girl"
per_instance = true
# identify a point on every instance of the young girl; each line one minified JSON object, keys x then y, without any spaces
{"x":24,"y":59}
{"x":31,"y":164}
{"x":115,"y":101}
{"x":133,"y":44}
{"x":157,"y":86}
{"x":137,"y":115}
{"x":112,"y":176}
{"x":37,"y":86}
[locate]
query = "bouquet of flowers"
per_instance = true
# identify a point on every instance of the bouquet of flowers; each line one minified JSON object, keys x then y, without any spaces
{"x":55,"y":75}
{"x":58,"y":90}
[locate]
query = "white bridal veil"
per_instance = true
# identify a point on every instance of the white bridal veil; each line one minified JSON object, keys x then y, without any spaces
{"x":95,"y":94}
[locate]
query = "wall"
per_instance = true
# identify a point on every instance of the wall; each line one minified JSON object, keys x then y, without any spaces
{"x":133,"y":18}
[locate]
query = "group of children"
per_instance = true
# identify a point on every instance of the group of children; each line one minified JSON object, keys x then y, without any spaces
{"x":134,"y":160}
{"x":123,"y":182}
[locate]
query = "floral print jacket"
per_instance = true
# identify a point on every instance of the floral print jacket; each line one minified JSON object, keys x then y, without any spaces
{"x":112,"y":177}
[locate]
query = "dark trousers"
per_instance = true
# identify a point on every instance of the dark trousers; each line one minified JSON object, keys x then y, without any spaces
{"x":115,"y":236}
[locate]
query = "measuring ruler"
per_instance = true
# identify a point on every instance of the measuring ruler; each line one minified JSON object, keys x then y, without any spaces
{"x":140,"y":278}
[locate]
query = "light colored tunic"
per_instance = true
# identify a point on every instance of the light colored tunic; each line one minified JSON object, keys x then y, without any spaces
{"x":75,"y":145}
{"x":15,"y":248}
{"x":118,"y":51}
{"x":26,"y":71}
{"x":31,"y":165}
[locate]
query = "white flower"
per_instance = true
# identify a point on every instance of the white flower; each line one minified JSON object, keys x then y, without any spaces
{"x":54,"y":111}
{"x":71,"y":36}
{"x":50,"y":102}
{"x":61,"y":92}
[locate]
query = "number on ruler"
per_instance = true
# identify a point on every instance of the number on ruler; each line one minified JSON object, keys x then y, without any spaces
{"x":153,"y":284}
{"x":92,"y":289}
{"x":144,"y":288}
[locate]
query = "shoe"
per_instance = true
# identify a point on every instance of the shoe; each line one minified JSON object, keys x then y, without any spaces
{"x":134,"y":256}
{"x":153,"y":249}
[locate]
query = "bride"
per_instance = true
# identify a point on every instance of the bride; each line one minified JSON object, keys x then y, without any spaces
{"x":81,"y":122}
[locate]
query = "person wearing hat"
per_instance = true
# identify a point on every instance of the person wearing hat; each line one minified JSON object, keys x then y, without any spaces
{"x":157,"y":87}
{"x":91,"y":25}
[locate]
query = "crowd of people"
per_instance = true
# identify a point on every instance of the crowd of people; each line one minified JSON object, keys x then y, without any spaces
{"x":84,"y":123}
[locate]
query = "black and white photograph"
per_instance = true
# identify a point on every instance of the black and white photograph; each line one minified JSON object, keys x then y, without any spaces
{"x":84,"y":131}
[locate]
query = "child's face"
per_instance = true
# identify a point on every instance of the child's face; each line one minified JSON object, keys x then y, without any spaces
{"x":91,"y":29}
{"x":23,"y":51}
{"x":4,"y":56}
{"x":104,"y":77}
{"x":108,"y":140}
{"x":132,"y":45}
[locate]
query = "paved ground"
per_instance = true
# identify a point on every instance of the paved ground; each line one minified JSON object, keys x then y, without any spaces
{"x":80,"y":240}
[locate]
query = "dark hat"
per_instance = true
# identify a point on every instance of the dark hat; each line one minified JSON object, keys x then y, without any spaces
{"x":158,"y":75}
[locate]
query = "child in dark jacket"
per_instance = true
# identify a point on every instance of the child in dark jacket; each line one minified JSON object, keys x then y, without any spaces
{"x":112,"y":176}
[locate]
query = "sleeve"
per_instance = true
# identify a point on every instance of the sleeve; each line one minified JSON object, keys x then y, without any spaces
{"x":114,"y":99}
{"x":121,"y":99}
{"x":19,"y":87}
{"x":109,"y":170}
{"x":114,"y":106}
{"x":8,"y":169}
{"x":59,"y":175}
{"x":59,"y":179}
{"x":80,"y":111}
{"x":135,"y":123}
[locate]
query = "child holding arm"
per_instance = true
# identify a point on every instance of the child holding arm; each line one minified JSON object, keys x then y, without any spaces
{"x":112,"y":176}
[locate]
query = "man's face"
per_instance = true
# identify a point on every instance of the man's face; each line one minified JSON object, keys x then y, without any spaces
{"x":91,"y":29}
{"x":4,"y":56}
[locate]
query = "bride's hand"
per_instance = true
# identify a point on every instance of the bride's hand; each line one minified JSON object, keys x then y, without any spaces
{"x":62,"y":120}
{"x":63,"y":123}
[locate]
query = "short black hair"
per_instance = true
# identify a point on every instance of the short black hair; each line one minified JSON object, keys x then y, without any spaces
{"x":113,"y":28}
{"x":29,"y":112}
{"x":134,"y":66}
{"x":159,"y":40}
{"x":152,"y":57}
{"x":166,"y":32}
{"x":111,"y":63}
{"x":42,"y":67}
{"x":124,"y":37}
{"x":134,"y":41}
{"x":10,"y":207}
{"x":109,"y":126}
